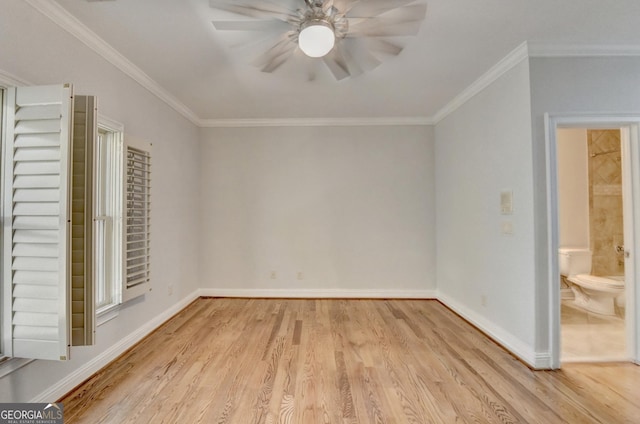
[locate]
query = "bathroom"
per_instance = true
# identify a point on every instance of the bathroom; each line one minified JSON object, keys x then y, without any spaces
{"x":592,"y":253}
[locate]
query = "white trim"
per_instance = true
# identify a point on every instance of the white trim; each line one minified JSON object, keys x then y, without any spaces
{"x":12,"y":364}
{"x":107,"y":314}
{"x":72,"y":380}
{"x":9,"y":80}
{"x":553,"y":240}
{"x":315,"y":122}
{"x":110,"y":124}
{"x":631,"y":224}
{"x":581,"y":50}
{"x":525,"y":51}
{"x":519,"y":54}
{"x":536,"y":360}
{"x":72,"y":25}
{"x":595,"y":359}
{"x":320,"y":293}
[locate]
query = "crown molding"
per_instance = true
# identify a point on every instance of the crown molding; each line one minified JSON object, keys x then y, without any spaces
{"x":537,"y":49}
{"x":315,"y":122}
{"x":8,"y":79}
{"x":71,"y":24}
{"x":519,"y":54}
{"x":533,"y":49}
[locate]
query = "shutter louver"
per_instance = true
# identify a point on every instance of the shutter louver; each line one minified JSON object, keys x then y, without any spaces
{"x":37,"y":187}
{"x":137,"y":226}
{"x":82,"y":215}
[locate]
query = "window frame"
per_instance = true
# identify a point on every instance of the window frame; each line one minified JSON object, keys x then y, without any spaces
{"x":113,"y":278}
{"x":3,"y":125}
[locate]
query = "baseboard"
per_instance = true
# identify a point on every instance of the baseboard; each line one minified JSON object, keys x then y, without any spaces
{"x":535,"y":360}
{"x":72,"y":380}
{"x":320,"y":293}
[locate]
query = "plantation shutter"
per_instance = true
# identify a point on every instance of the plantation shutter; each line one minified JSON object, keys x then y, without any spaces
{"x":137,"y":229}
{"x":38,"y":228}
{"x":82,"y":215}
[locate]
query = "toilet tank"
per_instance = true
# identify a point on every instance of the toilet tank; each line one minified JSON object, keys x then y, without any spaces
{"x":574,"y":261}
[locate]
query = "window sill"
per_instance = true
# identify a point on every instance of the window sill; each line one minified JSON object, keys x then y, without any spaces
{"x":9,"y":365}
{"x":106,"y":314}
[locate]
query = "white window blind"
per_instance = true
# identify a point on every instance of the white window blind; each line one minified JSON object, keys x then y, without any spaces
{"x":137,"y":228}
{"x":37,"y":233}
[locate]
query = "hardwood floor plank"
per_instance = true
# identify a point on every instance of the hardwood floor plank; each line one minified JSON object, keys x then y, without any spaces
{"x":297,"y":361}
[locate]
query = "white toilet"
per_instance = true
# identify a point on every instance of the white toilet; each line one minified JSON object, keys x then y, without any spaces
{"x":593,"y":293}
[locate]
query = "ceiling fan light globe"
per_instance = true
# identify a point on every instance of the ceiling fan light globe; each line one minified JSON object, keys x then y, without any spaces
{"x":316,"y":39}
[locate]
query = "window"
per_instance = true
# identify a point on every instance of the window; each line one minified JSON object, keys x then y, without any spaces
{"x":123,"y":218}
{"x":108,"y":221}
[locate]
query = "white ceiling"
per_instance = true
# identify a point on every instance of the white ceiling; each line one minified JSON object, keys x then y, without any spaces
{"x":174,"y":43}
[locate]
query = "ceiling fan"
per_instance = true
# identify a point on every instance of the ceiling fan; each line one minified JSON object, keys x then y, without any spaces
{"x":347,"y":36}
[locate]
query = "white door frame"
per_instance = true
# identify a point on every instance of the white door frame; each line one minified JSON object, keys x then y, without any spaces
{"x":630,"y":125}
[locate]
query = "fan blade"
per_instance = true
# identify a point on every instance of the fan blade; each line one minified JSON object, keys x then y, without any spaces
{"x":312,"y":71}
{"x":253,"y":25}
{"x":337,"y":64}
{"x":273,"y":58}
{"x":385,"y":47}
{"x":370,"y":8}
{"x":377,"y":28}
{"x":344,"y":6}
{"x":327,"y":5}
{"x":399,"y":22}
{"x":366,"y":54}
{"x":361,"y":58}
{"x":265,"y":9}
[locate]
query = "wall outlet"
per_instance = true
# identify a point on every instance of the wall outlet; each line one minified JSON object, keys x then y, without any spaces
{"x":170,"y":289}
{"x":273,"y":275}
{"x":300,"y":275}
{"x":483,"y":300}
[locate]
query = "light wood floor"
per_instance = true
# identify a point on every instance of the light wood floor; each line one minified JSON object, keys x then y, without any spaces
{"x":341,"y":361}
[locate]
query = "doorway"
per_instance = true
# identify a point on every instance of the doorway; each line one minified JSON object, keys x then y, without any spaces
{"x":590,"y":333}
{"x":591,"y":237}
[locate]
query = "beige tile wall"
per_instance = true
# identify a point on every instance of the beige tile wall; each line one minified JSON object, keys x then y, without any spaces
{"x":605,"y":201}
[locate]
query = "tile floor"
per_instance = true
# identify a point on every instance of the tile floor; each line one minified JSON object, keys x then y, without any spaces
{"x":588,"y":337}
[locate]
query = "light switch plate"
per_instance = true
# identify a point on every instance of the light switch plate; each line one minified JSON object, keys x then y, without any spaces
{"x":506,"y":202}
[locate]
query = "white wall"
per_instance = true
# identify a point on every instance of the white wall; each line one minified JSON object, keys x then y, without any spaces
{"x":36,"y":50}
{"x":583,"y":85}
{"x":352,"y":208}
{"x":573,"y":187}
{"x":483,"y":148}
